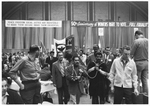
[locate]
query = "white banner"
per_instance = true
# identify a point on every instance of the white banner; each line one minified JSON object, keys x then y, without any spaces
{"x":59,"y":44}
{"x":32,"y":23}
{"x":101,"y":31}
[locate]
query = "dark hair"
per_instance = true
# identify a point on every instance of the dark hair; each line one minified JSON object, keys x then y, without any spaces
{"x":138,"y":32}
{"x":51,"y":52}
{"x":74,"y":57}
{"x":98,"y":53}
{"x":126,"y":47}
{"x":95,"y":47}
{"x":33,"y":48}
{"x":9,"y":80}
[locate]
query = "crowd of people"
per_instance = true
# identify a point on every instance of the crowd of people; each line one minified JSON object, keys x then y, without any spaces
{"x":103,"y":75}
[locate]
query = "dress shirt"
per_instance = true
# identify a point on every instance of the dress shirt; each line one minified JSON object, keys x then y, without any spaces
{"x":123,"y":75}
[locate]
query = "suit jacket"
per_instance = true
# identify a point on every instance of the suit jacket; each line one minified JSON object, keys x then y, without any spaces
{"x":78,"y":84}
{"x":14,"y":97}
{"x":56,"y":74}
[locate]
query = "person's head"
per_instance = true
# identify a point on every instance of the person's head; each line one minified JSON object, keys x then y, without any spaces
{"x":138,"y":34}
{"x":35,"y":50}
{"x":126,"y":52}
{"x":98,"y":56}
{"x":6,"y":82}
{"x":95,"y":48}
{"x":60,"y":56}
{"x":80,"y":52}
{"x":75,"y":60}
{"x":107,"y":50}
{"x":52,"y":53}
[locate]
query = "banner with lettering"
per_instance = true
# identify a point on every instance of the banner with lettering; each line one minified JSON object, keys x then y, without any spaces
{"x":108,"y":24}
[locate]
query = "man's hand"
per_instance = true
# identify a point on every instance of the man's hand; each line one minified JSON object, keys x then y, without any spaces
{"x":78,"y":77}
{"x":136,"y":92}
{"x":80,"y":71}
{"x":91,"y":69}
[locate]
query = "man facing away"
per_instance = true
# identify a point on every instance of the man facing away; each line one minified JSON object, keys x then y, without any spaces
{"x":139,"y":53}
{"x":123,"y":77}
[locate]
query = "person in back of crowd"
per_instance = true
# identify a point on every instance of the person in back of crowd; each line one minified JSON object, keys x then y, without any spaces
{"x":92,"y":56}
{"x":74,"y":74}
{"x":51,"y":59}
{"x":82,"y":57}
{"x":123,"y":77}
{"x":9,"y":96}
{"x":97,"y":71}
{"x":59,"y":79}
{"x":108,"y":58}
{"x":28,"y":70}
{"x":139,"y":53}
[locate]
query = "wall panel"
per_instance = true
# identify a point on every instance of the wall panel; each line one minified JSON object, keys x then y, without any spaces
{"x":101,"y":10}
{"x":80,"y":11}
{"x":35,"y":11}
{"x":58,"y":10}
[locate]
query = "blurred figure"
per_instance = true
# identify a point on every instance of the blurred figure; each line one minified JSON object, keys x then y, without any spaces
{"x":51,"y":59}
{"x":9,"y":96}
{"x":82,"y":57}
{"x":139,"y":53}
{"x":108,"y":58}
{"x":123,"y":77}
{"x":92,"y":56}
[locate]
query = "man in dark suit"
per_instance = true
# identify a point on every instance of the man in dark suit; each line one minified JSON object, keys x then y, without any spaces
{"x":51,"y":59}
{"x":9,"y":96}
{"x":59,"y":79}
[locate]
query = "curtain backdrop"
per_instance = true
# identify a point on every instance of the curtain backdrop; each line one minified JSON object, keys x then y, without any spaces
{"x":18,"y":38}
{"x":21,"y":38}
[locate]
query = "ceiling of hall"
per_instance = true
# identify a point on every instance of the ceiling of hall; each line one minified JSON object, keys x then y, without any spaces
{"x":8,"y":7}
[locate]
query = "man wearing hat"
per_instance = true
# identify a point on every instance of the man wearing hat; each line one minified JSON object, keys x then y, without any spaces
{"x":28,"y":72}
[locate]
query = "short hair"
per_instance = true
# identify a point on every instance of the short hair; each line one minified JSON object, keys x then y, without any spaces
{"x":138,"y":32}
{"x":126,"y":47}
{"x":74,"y":57}
{"x":98,"y":53}
{"x":8,"y":80}
{"x":51,"y":52}
{"x":33,"y":48}
{"x":95,"y":47}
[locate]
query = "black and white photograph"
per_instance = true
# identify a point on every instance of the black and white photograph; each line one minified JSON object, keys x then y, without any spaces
{"x":74,"y":52}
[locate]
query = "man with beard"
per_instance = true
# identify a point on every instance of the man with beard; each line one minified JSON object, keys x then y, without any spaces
{"x":97,"y":74}
{"x":74,"y":75}
{"x":29,"y":74}
{"x":59,"y":78}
